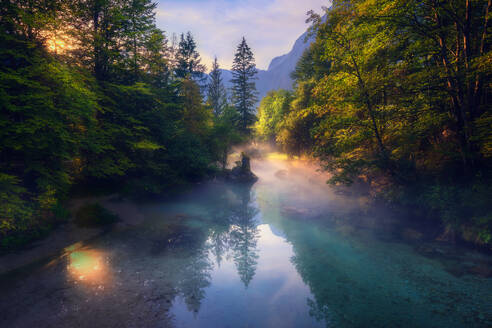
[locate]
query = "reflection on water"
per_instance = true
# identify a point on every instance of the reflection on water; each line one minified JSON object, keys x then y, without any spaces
{"x":288,"y":252}
{"x":275,"y":296}
{"x":87,"y":265}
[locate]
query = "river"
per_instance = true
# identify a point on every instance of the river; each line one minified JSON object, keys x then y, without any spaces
{"x":290,"y":251}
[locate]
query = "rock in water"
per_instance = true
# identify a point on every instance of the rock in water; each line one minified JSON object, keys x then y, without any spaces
{"x":242,"y":172}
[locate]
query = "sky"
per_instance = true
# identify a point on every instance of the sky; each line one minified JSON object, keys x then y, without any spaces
{"x":270,"y":26}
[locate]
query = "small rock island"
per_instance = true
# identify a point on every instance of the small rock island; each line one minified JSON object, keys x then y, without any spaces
{"x":242,"y":173}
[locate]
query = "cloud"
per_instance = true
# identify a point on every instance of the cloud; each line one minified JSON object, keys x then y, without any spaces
{"x":270,"y":26}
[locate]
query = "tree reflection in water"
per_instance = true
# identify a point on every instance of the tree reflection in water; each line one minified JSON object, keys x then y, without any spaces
{"x":195,"y":275}
{"x":231,"y":233}
{"x":134,"y":274}
{"x":234,"y":231}
{"x":244,"y":236}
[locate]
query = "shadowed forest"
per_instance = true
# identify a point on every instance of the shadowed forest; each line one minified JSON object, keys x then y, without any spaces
{"x":94,"y":94}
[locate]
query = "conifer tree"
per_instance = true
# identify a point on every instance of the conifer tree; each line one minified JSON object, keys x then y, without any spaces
{"x":244,"y":88}
{"x":216,"y":92}
{"x":96,"y":27}
{"x":139,"y":25}
{"x":188,"y":59}
{"x":156,"y":62}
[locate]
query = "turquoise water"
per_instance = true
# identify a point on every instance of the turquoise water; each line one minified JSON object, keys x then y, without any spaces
{"x":287,"y":252}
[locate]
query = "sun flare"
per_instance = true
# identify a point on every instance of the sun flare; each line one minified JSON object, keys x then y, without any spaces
{"x":59,"y":44}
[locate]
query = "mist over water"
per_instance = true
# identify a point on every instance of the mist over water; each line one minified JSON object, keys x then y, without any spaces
{"x":290,"y":251}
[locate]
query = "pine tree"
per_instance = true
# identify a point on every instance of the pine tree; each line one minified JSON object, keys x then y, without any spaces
{"x":156,"y":62}
{"x":96,"y":27}
{"x":188,"y":60}
{"x":196,"y":116}
{"x":216,"y":92}
{"x":244,"y":88}
{"x":139,"y":24}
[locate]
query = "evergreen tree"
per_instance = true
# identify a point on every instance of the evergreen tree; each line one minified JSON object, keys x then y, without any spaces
{"x":216,"y":92}
{"x":139,"y":26}
{"x":196,"y":117}
{"x":156,"y":58}
{"x":188,"y":60}
{"x":244,"y":88}
{"x":96,"y":27}
{"x":62,"y":123}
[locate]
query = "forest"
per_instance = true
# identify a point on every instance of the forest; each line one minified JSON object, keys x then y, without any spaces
{"x":94,"y":94}
{"x":396,"y":94}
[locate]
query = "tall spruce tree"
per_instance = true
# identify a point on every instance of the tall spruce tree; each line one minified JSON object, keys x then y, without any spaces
{"x":138,"y":27}
{"x":96,"y":25}
{"x":244,"y":95}
{"x":188,"y":60}
{"x":156,"y":59}
{"x":216,"y":92}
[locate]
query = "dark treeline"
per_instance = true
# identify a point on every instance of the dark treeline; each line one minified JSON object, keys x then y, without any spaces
{"x":397,"y":93}
{"x":93,"y":93}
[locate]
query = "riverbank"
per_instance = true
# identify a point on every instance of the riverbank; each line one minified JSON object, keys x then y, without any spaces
{"x":70,"y":232}
{"x":457,"y":212}
{"x":408,"y":223}
{"x":226,"y":254}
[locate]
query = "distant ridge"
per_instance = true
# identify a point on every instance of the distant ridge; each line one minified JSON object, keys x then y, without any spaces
{"x":277,"y":76}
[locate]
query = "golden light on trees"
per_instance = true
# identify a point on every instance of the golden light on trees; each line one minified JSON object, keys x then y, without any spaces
{"x":59,"y":44}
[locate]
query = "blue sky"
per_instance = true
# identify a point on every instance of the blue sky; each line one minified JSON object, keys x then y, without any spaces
{"x":270,"y":26}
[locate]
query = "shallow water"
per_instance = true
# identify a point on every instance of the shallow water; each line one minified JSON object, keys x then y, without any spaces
{"x":288,"y":252}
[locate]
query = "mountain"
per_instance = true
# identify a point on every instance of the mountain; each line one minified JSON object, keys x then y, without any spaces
{"x":277,"y":76}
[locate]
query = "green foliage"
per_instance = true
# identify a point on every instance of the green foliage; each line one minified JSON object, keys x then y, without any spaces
{"x":273,"y":108}
{"x":15,"y":212}
{"x":463,"y":207}
{"x":244,"y":93}
{"x":137,"y":27}
{"x":225,"y":134}
{"x":103,"y":110}
{"x":368,"y":91}
{"x":188,"y":59}
{"x":216,"y":92}
{"x":396,"y":93}
{"x":295,"y":134}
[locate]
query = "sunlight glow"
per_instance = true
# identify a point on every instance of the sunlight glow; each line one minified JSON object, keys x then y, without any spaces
{"x":59,"y":44}
{"x":87,"y":265}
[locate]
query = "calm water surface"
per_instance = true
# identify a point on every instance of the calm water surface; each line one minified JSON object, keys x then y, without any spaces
{"x":288,"y":252}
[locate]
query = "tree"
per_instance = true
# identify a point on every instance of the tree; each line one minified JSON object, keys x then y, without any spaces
{"x":138,"y":28}
{"x":102,"y":110}
{"x":225,"y":134}
{"x":46,"y":111}
{"x":216,"y":92}
{"x":96,"y":25}
{"x":244,"y":237}
{"x":31,"y":20}
{"x":188,"y":60}
{"x":455,"y":36}
{"x":272,"y":111}
{"x":196,"y":116}
{"x":155,"y":59}
{"x":244,"y":88}
{"x":394,"y":93}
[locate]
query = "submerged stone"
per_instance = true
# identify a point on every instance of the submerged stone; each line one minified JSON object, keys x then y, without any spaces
{"x":281,"y":174}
